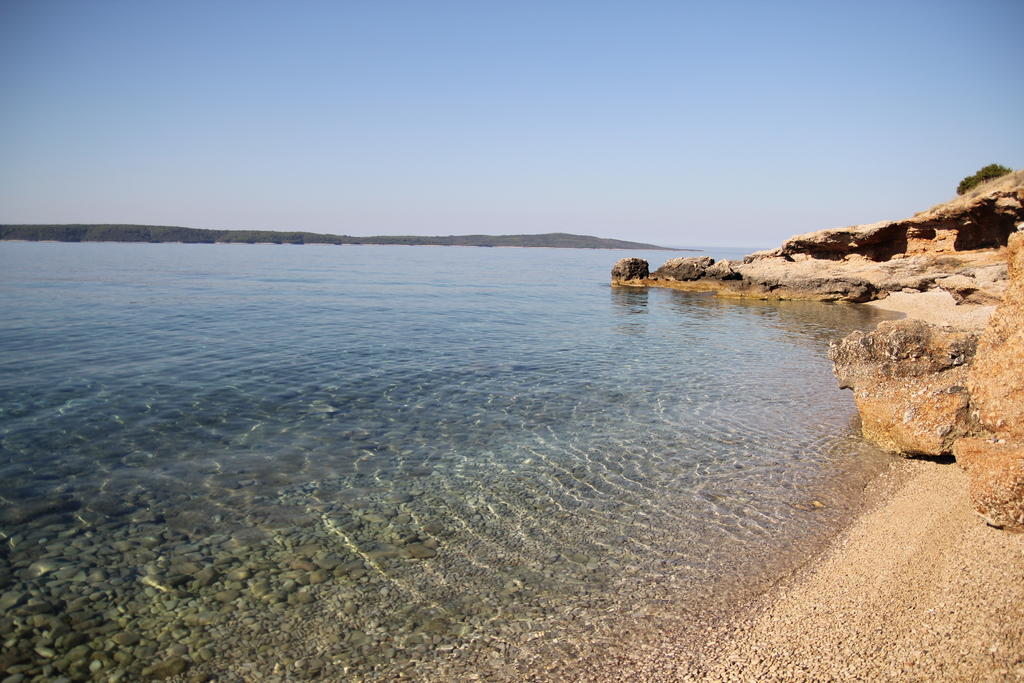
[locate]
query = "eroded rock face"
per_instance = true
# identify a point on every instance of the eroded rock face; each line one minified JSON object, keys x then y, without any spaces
{"x":982,"y":219}
{"x":997,"y":377}
{"x":994,"y":459}
{"x":723,"y":270}
{"x":956,"y":246}
{"x":626,"y":269}
{"x":909,"y":382}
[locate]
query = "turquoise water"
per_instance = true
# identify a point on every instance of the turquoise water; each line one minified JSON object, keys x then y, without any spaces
{"x":365,"y":462}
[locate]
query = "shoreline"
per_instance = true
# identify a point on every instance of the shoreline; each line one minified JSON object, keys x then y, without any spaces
{"x":916,"y":587}
{"x":913,"y":586}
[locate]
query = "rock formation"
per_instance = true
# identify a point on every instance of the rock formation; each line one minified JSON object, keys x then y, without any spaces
{"x":684,"y":269}
{"x":981,"y":219}
{"x":955,"y":246}
{"x":630,"y":269}
{"x":922,"y":389}
{"x":994,"y":457}
{"x":909,"y":382}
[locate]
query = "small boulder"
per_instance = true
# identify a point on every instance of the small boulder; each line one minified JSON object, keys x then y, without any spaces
{"x":969,"y":290}
{"x":908,"y":379}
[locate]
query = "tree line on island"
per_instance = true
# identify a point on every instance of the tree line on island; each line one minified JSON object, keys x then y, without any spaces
{"x":168,"y":233}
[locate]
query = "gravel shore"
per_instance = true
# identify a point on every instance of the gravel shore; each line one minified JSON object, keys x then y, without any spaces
{"x":918,"y":588}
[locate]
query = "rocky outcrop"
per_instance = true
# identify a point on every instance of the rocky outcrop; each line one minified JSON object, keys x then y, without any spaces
{"x":994,"y":458}
{"x":955,"y":246}
{"x":909,"y":382}
{"x":921,"y":389}
{"x":982,"y":219}
{"x":997,"y":377}
{"x":928,"y":390}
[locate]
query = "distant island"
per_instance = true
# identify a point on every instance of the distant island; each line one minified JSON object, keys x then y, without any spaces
{"x":169,"y":233}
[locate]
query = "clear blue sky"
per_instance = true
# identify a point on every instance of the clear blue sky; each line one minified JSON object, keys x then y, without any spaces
{"x":700,"y":123}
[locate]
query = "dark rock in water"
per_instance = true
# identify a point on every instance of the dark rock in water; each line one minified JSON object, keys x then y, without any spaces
{"x":24,"y":513}
{"x":684,"y":269}
{"x":630,"y":269}
{"x":126,"y":639}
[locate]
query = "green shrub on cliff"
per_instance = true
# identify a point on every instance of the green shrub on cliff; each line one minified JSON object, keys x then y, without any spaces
{"x":987,"y":173}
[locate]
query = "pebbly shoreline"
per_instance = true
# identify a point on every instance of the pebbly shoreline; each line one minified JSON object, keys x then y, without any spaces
{"x":926,"y":583}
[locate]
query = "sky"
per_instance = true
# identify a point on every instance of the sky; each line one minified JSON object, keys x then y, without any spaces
{"x":678,"y":123}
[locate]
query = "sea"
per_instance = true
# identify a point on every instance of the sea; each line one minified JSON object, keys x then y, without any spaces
{"x":299,"y":462}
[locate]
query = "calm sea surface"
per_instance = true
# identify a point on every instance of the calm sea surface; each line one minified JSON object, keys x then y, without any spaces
{"x":367,"y":462}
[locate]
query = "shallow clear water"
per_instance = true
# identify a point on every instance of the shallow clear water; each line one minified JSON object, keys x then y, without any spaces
{"x":360,"y":462}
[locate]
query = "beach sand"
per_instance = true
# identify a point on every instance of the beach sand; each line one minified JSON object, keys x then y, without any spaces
{"x":937,"y":307}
